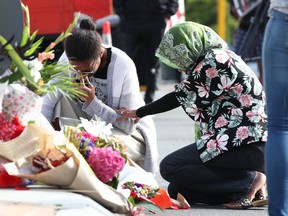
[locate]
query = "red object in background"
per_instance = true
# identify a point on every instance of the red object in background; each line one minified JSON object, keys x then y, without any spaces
{"x":54,"y":16}
{"x":7,"y":180}
{"x":106,"y":28}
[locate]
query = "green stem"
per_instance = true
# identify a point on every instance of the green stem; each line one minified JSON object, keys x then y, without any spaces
{"x":18,"y":62}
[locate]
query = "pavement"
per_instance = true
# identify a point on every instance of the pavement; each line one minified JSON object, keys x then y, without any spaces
{"x":175,"y":130}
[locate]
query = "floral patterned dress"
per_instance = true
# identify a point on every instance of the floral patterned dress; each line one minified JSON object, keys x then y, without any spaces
{"x":223,"y":95}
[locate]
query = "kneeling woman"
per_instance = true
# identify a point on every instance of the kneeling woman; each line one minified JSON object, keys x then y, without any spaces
{"x":223,"y":95}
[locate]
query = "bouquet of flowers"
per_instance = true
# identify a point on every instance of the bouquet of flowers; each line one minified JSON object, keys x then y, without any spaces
{"x":33,"y":69}
{"x":59,"y":163}
{"x":104,"y":153}
{"x":152,"y":199}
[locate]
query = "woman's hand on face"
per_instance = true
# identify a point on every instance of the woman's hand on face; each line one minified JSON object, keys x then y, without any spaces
{"x":88,"y":89}
{"x":125,"y":113}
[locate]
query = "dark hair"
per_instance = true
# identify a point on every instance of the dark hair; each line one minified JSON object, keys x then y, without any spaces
{"x":84,"y":43}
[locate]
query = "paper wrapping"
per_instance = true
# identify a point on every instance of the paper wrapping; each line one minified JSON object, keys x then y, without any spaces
{"x":3,"y":87}
{"x":19,"y":100}
{"x":31,"y":140}
{"x":76,"y":175}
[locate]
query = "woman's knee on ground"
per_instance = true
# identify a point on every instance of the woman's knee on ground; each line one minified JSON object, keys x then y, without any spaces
{"x":166,"y":168}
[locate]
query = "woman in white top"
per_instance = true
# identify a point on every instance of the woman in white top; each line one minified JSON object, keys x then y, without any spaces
{"x":109,"y":79}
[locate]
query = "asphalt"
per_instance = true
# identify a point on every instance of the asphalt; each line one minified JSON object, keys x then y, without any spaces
{"x":175,"y":130}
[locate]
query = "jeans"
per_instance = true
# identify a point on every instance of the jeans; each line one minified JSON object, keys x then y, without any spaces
{"x":275,"y":65}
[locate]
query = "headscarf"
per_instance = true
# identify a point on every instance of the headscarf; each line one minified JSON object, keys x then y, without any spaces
{"x":184,"y":43}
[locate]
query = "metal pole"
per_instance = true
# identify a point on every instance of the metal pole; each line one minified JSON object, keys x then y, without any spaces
{"x":221,"y":19}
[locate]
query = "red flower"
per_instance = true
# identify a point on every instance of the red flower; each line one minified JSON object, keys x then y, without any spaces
{"x":10,"y":129}
{"x":7,"y":180}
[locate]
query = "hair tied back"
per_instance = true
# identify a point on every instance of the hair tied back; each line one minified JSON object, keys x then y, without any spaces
{"x":88,"y":24}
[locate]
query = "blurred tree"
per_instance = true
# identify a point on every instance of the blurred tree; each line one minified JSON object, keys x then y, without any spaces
{"x":205,"y":12}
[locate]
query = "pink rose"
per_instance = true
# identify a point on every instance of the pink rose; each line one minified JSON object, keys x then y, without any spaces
{"x":242,"y":133}
{"x":211,"y":145}
{"x":238,"y":88}
{"x":198,"y":67}
{"x":245,"y":100}
{"x":220,"y":122}
{"x":211,"y":73}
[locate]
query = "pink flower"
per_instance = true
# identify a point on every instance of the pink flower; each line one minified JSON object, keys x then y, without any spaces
{"x":203,"y":91}
{"x":50,"y":55}
{"x":222,"y":58}
{"x":250,"y":114}
{"x":219,"y":144}
{"x":105,"y":162}
{"x":226,"y":83}
{"x":264,"y":138}
{"x":245,"y":100}
{"x":52,"y":45}
{"x":87,"y":136}
{"x":194,"y":111}
{"x":242,"y":133}
{"x":211,"y":73}
{"x":43,"y":56}
{"x":238,"y":88}
{"x":198,"y":67}
{"x":220,"y":122}
{"x":211,"y":145}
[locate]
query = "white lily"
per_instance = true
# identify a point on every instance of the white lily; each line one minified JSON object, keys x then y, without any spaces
{"x":97,"y":127}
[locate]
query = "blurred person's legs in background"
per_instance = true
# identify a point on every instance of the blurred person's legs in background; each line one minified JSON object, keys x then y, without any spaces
{"x":275,"y":65}
{"x":141,"y":47}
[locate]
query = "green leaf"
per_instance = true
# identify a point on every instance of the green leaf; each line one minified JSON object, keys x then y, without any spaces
{"x":18,"y":62}
{"x":12,"y":78}
{"x":25,"y":36}
{"x":149,"y":209}
{"x":63,"y":36}
{"x":34,"y":47}
{"x":33,"y":36}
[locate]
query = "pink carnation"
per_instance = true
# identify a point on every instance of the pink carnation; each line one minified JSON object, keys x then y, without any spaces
{"x":105,"y":162}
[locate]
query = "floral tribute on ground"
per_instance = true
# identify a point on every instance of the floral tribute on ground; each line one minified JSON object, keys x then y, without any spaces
{"x":104,"y":153}
{"x":86,"y":158}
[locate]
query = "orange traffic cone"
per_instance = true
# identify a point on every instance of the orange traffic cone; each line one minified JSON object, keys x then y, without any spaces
{"x":106,"y":33}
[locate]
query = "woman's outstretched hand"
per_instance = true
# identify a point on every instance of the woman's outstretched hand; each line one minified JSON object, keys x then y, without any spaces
{"x":125,"y":113}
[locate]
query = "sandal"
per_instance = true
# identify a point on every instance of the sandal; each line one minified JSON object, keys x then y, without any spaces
{"x":260,"y":199}
{"x":260,"y":202}
{"x":242,"y":203}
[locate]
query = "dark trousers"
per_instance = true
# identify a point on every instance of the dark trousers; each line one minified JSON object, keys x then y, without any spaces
{"x":226,"y":178}
{"x":141,"y":47}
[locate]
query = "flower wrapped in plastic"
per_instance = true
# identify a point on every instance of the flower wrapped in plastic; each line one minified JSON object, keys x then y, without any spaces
{"x":103,"y":152}
{"x":61,"y":164}
{"x":32,"y":68}
{"x":29,"y":74}
{"x":106,"y":163}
